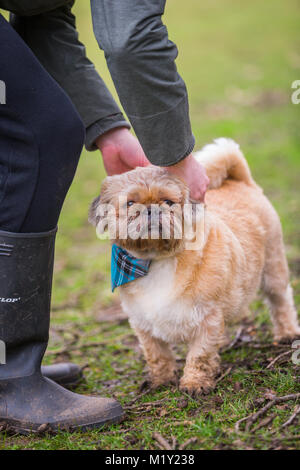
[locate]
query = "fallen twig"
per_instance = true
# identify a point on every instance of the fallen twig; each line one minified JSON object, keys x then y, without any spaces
{"x":263,"y":423}
{"x":192,"y":440}
{"x":227,"y":372}
{"x":163,"y":443}
{"x":285,"y":353}
{"x":292,"y":417}
{"x":174,"y":442}
{"x":254,"y":416}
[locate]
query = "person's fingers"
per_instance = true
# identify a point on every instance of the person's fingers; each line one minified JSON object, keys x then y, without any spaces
{"x":113,"y":164}
{"x":197,"y":192}
{"x":197,"y":196}
{"x":140,"y":160}
{"x":144,"y":161}
{"x":134,"y":156}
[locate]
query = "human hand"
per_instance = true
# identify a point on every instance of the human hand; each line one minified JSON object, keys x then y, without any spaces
{"x":121,"y":151}
{"x":194,"y":175}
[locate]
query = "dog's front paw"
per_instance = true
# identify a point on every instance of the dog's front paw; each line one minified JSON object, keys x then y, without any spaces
{"x":286,"y":337}
{"x":194,"y":388}
{"x":154,"y":383}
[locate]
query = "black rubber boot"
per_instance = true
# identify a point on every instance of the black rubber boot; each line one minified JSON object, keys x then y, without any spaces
{"x":66,"y":374}
{"x":29,"y":401}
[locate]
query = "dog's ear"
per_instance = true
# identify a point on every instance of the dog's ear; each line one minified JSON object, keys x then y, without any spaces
{"x":99,"y":207}
{"x":94,"y":217}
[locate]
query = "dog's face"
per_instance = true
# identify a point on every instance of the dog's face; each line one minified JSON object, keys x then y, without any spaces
{"x":145,"y":209}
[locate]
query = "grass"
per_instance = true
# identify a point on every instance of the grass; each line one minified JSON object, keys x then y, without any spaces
{"x":239,"y":61}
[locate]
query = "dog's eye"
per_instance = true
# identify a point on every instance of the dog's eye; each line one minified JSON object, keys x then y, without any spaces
{"x":169,"y":202}
{"x":130,"y":203}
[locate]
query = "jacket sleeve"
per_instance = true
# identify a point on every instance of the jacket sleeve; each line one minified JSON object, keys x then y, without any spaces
{"x":141,"y":60}
{"x":53,"y":38}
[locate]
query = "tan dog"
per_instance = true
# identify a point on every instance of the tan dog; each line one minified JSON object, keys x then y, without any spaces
{"x":189,"y":295}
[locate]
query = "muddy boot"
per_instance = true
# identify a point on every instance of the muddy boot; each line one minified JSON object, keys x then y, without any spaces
{"x":28,"y":400}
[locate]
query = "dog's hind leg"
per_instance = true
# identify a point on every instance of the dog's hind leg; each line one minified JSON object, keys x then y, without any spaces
{"x":160,"y":359}
{"x":276,"y":287}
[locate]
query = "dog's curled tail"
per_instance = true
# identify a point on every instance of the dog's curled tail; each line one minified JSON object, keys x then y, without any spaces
{"x":223,"y":160}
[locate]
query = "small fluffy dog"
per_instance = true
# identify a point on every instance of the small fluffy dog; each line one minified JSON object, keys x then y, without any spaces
{"x":189,"y":295}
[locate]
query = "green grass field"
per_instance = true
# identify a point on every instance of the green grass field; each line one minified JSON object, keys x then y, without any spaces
{"x":239,"y":60}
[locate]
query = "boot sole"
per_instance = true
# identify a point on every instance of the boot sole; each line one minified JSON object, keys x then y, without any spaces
{"x":10,"y":425}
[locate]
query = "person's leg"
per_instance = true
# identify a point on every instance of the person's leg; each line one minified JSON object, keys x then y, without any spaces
{"x":41,"y":140}
{"x":41,"y":137}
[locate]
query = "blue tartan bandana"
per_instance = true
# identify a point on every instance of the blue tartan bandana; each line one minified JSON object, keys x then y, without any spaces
{"x":125,"y":268}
